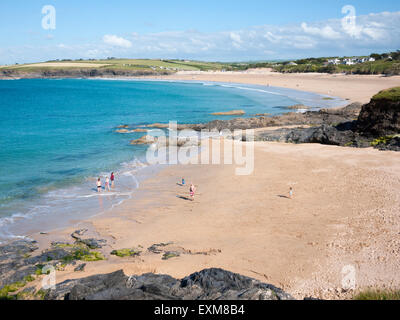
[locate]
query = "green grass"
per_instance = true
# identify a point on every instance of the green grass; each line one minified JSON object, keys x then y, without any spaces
{"x":122,"y":64}
{"x":378,"y":295}
{"x":83,"y":254}
{"x":11,"y":288}
{"x":381,"y":140}
{"x":392,"y":94}
{"x":122,"y":253}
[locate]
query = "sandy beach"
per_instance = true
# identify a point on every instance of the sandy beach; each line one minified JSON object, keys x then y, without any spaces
{"x":344,"y":212}
{"x":355,"y":88}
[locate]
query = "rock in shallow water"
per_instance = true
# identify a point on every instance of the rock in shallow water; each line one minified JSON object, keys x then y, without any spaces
{"x":209,"y":284}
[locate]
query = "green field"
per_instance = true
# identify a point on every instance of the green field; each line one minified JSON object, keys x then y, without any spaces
{"x":120,"y":64}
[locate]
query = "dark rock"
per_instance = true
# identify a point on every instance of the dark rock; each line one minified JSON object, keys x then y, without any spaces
{"x":19,"y":247}
{"x":324,"y":134}
{"x":379,"y":118}
{"x":93,"y":243}
{"x":49,"y":255}
{"x":158,"y":247}
{"x":393,"y":145}
{"x":11,"y":276}
{"x":208,"y":284}
{"x":79,"y":233}
{"x":80,"y":268}
{"x":170,"y":254}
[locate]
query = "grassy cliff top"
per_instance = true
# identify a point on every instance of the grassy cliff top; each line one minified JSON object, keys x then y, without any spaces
{"x":392,"y":94}
{"x":120,"y":64}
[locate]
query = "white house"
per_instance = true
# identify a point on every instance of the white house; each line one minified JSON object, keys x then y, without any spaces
{"x":371,"y":59}
{"x":334,"y":61}
{"x":349,"y":62}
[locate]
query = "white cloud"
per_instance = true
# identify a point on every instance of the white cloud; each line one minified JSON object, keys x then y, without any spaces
{"x":373,"y":33}
{"x":324,"y":32}
{"x":116,"y":41}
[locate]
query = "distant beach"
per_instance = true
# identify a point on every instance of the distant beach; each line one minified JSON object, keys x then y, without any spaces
{"x":355,"y":88}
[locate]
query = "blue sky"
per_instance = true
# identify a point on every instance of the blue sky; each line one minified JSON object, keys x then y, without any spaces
{"x":208,"y":30}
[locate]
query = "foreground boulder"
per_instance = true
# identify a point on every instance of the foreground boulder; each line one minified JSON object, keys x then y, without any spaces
{"x":210,"y":284}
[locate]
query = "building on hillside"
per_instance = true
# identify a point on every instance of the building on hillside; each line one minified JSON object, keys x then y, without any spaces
{"x":349,"y":61}
{"x":334,"y":61}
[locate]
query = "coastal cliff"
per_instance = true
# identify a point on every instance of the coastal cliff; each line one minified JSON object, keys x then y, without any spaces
{"x":76,"y":73}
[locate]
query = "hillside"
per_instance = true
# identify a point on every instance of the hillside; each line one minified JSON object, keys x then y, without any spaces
{"x":108,"y":67}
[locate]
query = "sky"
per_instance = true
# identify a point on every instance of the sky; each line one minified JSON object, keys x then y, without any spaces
{"x":214,"y":30}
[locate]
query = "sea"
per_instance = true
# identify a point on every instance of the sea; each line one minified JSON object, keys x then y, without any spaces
{"x":57,"y":136}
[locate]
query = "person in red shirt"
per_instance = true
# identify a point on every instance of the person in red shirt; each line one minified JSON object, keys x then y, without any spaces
{"x":112,"y":178}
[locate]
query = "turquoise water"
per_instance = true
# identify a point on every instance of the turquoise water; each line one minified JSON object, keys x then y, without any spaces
{"x":57,"y":136}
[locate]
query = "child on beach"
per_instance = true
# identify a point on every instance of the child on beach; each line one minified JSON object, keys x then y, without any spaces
{"x":99,"y":185}
{"x":112,"y":178}
{"x":107,"y":184}
{"x":291,"y":193}
{"x":192,"y":191}
{"x":183,"y":181}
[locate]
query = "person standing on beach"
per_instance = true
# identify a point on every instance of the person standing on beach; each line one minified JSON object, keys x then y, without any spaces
{"x":183,"y":181}
{"x":291,"y":193}
{"x":107,"y":184}
{"x":112,"y":178}
{"x":98,"y":185}
{"x":192,"y":191}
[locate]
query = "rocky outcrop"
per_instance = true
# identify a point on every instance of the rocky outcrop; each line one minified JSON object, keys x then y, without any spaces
{"x":380,"y":117}
{"x":324,"y":134}
{"x":144,"y":140}
{"x":21,"y":263}
{"x":158,"y":125}
{"x":210,"y":284}
{"x":161,"y":142}
{"x":324,"y":116}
